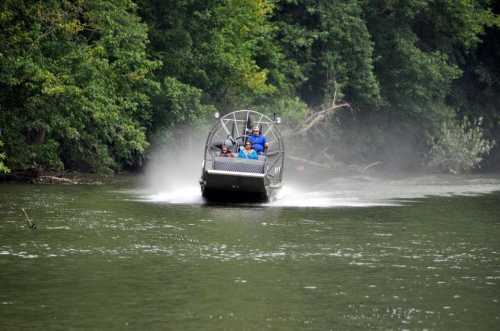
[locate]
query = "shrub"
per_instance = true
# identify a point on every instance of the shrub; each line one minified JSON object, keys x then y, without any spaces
{"x":3,"y":167}
{"x":460,"y":146}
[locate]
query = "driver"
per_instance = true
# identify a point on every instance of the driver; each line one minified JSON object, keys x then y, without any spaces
{"x":258,"y":141}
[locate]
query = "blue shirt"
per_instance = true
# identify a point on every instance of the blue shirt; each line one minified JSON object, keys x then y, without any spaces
{"x":252,"y":155}
{"x":258,"y":143}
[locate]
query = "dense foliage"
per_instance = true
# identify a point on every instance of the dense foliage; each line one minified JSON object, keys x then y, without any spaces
{"x":75,"y":84}
{"x":89,"y":84}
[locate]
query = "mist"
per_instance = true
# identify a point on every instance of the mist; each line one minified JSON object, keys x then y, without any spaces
{"x":174,"y":168}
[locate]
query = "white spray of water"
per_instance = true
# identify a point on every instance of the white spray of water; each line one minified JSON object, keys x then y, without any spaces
{"x":173,"y":173}
{"x":366,"y":191}
{"x":173,"y":170}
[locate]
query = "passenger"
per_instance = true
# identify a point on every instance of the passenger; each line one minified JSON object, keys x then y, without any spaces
{"x":225,"y":152}
{"x":258,"y":141}
{"x":248,"y":152}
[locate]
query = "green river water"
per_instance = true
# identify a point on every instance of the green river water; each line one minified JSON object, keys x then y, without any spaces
{"x":110,"y":257}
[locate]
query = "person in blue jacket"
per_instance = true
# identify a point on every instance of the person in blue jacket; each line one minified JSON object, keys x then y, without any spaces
{"x":258,"y":141}
{"x":248,"y":152}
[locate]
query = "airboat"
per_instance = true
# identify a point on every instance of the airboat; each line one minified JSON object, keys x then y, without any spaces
{"x":234,"y":178}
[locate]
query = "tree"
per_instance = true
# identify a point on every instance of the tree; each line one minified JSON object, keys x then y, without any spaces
{"x":331,"y":43}
{"x":418,"y":51}
{"x":475,"y":94}
{"x":212,"y":46}
{"x":395,"y":62}
{"x":74,"y":84}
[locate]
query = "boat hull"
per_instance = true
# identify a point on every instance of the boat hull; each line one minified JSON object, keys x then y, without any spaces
{"x":234,"y":186}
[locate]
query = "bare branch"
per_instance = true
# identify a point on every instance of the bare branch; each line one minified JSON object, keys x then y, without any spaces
{"x":317,"y":117}
{"x":306,"y":161}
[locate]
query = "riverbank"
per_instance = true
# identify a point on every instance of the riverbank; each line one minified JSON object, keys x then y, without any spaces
{"x":65,"y":177}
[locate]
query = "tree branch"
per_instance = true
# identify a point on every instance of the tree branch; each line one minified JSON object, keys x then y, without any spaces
{"x":316,"y":117}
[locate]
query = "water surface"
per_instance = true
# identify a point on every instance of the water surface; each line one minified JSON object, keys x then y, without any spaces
{"x":108,"y":257}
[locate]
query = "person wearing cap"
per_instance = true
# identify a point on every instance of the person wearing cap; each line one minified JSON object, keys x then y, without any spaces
{"x":248,"y":152}
{"x":258,"y":141}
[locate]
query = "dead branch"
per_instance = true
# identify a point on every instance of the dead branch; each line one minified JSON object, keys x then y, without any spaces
{"x":371,"y":165}
{"x":30,"y":223}
{"x":314,"y":118}
{"x":331,"y":164}
{"x":313,"y":163}
{"x":54,"y":179}
{"x":326,"y":155}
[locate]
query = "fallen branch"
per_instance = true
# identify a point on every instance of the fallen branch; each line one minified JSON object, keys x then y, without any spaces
{"x":306,"y":161}
{"x":371,"y":165}
{"x":326,"y":155}
{"x":31,"y":224}
{"x":333,"y":165}
{"x":54,"y":179}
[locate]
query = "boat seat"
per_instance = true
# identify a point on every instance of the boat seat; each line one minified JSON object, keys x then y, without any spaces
{"x":239,"y":165}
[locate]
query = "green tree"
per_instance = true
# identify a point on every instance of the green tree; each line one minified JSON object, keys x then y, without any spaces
{"x":74,"y":84}
{"x":216,"y":47}
{"x":418,"y":52}
{"x":476,"y":94}
{"x":332,"y":45}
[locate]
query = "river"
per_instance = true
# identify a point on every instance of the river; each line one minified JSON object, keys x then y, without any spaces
{"x":420,"y":253}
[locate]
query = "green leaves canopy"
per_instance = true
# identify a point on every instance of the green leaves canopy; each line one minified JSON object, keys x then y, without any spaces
{"x":82,"y":87}
{"x":74,"y":83}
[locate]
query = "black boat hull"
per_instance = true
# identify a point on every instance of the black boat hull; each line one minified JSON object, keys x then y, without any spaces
{"x":219,"y":185}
